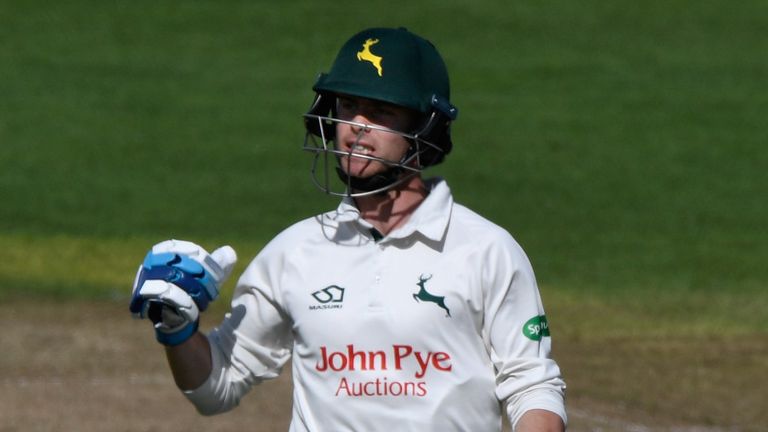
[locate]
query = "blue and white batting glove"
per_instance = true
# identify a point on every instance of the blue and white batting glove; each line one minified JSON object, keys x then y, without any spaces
{"x":176,"y":282}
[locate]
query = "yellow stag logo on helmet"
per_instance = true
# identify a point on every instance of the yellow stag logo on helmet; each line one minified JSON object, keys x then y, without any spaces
{"x":367,"y":55}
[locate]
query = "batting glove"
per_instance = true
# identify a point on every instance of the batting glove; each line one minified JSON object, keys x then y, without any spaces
{"x":176,"y":282}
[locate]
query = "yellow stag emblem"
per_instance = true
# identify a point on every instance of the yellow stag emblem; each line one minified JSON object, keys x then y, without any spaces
{"x":367,"y":55}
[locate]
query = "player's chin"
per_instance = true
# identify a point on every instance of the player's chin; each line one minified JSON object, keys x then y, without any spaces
{"x":359,"y":167}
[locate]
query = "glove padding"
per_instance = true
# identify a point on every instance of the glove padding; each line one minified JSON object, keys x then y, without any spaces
{"x":176,"y":282}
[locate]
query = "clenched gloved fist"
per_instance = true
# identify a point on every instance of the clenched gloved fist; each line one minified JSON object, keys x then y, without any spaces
{"x":175,"y":283}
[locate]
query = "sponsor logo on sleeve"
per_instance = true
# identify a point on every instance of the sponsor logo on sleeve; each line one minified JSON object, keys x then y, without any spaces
{"x":536,"y":328}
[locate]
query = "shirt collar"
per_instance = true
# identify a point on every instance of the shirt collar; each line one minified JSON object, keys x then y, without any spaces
{"x":430,"y":218}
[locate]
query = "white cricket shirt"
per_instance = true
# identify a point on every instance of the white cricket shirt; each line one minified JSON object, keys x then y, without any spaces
{"x":426,"y":329}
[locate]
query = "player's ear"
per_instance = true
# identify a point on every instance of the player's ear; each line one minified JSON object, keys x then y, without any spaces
{"x":315,"y":121}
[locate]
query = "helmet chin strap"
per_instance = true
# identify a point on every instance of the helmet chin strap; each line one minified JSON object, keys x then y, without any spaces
{"x":377,"y":184}
{"x":382,"y":181}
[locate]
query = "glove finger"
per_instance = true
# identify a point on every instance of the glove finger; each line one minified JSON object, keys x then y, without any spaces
{"x":225,"y":257}
{"x":179,"y":246}
{"x":181,"y":302}
{"x":136,"y":306}
{"x":136,"y":281}
{"x":147,"y":294}
{"x":154,"y":288}
{"x":219,"y":263}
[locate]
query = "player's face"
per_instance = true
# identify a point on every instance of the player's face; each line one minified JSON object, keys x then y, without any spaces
{"x":357,"y":140}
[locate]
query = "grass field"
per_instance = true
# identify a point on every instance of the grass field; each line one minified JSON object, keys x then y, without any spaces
{"x":622,"y":143}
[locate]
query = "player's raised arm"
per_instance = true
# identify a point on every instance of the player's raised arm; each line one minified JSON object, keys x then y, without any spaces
{"x":538,"y":420}
{"x":177,"y":281}
{"x":190,"y":362}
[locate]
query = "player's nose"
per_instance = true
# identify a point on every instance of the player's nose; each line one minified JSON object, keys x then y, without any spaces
{"x":359,"y":122}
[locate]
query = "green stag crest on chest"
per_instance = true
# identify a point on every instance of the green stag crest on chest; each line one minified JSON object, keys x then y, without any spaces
{"x":426,"y":296}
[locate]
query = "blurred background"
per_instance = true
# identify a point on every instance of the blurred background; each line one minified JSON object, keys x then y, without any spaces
{"x":623,"y":144}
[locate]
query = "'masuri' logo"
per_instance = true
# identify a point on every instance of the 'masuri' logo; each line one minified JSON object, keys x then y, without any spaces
{"x":329,"y":297}
{"x":426,"y":296}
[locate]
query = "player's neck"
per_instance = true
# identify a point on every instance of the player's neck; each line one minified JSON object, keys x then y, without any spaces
{"x":392,"y":209}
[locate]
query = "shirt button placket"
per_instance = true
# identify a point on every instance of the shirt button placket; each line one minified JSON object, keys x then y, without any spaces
{"x":378,"y":268}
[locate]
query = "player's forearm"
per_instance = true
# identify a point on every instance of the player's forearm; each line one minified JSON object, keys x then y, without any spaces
{"x":540,"y":421}
{"x":190,"y":362}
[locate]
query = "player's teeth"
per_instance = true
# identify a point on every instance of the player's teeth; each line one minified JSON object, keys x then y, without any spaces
{"x":361,"y":149}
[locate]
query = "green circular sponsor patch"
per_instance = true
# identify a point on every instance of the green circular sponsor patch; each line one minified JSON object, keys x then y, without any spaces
{"x":536,"y":328}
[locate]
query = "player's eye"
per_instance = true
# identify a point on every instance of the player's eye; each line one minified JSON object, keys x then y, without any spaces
{"x":382,"y":112}
{"x":346,"y":108}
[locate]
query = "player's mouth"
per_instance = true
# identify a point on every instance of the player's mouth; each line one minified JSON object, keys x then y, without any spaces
{"x":361,"y":149}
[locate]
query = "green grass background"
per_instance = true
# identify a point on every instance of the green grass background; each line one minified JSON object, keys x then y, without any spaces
{"x":622,"y":143}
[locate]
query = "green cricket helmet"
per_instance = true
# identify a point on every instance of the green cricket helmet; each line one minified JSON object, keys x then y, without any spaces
{"x":393,"y":66}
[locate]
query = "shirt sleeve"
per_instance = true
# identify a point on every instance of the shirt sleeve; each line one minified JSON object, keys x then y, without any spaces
{"x":253,"y":342}
{"x":517,"y":333}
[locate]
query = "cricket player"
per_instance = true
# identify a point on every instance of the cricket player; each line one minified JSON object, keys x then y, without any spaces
{"x":400,"y":309}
